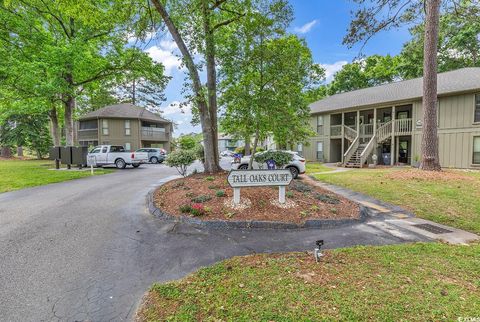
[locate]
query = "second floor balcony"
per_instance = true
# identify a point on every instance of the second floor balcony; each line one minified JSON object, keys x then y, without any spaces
{"x":154,"y":134}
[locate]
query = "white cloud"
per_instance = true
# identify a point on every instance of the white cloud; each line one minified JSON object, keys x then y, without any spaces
{"x":176,"y":108}
{"x":165,"y":53}
{"x":306,"y":27}
{"x":331,"y":69}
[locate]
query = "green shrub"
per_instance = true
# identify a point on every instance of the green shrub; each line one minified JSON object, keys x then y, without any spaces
{"x":210,"y":178}
{"x":281,"y":158}
{"x":289,"y":194}
{"x":241,"y":150}
{"x":301,"y":187}
{"x":327,"y":198}
{"x":198,"y":210}
{"x":220,"y":193}
{"x":201,"y":198}
{"x":181,"y":159}
{"x":185,"y":209}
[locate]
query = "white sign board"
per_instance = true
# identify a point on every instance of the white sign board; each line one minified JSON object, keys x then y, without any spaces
{"x":259,"y":178}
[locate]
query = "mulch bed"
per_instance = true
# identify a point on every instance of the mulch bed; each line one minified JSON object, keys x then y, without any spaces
{"x":210,"y":196}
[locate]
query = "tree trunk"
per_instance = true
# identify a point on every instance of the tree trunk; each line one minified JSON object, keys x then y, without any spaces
{"x":254,"y":150}
{"x":247,"y":145}
{"x":208,"y":126}
{"x":69,"y":110}
{"x":54,"y":129}
{"x":20,"y":151}
{"x":430,"y":160}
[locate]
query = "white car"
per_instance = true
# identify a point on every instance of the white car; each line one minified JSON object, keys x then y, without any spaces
{"x":115,"y":155}
{"x":227,"y":153}
{"x":296,"y":166}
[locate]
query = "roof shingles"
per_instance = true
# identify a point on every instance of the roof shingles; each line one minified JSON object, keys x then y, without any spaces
{"x":124,"y":110}
{"x":457,"y":81}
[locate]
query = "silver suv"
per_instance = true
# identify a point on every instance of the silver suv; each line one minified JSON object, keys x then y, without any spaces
{"x":155,"y":155}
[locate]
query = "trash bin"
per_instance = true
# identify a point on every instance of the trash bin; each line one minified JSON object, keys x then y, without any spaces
{"x":54,"y":153}
{"x":79,"y":155}
{"x":66,"y":154}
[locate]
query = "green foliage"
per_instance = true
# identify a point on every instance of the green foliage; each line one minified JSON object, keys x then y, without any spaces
{"x":181,"y":159}
{"x":370,"y":71}
{"x":241,"y":150}
{"x":300,"y":186}
{"x":289,"y":194}
{"x":327,"y":198}
{"x":186,"y":142}
{"x":201,"y":198}
{"x":263,"y":84}
{"x":220,"y":193}
{"x":209,"y":178}
{"x":28,"y":130}
{"x":281,"y":158}
{"x":185,"y":209}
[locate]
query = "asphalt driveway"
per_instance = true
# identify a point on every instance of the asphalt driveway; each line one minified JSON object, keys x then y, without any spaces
{"x":88,"y":249}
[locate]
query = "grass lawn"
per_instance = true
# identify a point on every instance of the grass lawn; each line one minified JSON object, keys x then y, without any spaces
{"x":418,"y":282}
{"x":18,"y":174}
{"x":451,"y":198}
{"x":313,"y":167}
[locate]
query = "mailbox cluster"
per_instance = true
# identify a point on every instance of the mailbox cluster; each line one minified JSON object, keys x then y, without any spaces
{"x":69,"y":155}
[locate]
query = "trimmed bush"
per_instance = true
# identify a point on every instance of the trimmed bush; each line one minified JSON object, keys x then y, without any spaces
{"x":281,"y":158}
{"x":220,"y":193}
{"x":180,"y":160}
{"x":201,"y":199}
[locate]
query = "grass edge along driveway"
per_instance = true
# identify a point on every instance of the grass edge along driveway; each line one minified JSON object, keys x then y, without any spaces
{"x":418,"y":282}
{"x":19,"y":174}
{"x":451,"y":197}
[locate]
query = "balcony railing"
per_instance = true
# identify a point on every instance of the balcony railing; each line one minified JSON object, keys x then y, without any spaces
{"x":88,"y":134}
{"x":336,"y":130}
{"x":403,"y":126}
{"x":154,"y":133}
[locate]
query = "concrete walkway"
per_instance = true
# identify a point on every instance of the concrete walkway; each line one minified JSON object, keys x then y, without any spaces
{"x":399,"y":217}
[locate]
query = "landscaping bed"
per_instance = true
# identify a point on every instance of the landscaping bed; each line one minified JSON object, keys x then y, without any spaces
{"x":417,"y":282}
{"x":210,"y":198}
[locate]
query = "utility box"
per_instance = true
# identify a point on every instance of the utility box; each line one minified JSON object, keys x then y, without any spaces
{"x":79,"y":155}
{"x":55,"y":153}
{"x":66,"y":154}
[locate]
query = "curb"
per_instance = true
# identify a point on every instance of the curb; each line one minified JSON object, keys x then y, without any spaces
{"x":255,"y":224}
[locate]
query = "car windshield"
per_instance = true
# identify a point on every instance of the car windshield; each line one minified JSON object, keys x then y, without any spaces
{"x":95,"y":150}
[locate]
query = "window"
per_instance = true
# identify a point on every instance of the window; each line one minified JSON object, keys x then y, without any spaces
{"x":320,"y":151}
{"x":477,"y":109}
{"x":476,"y":150}
{"x":104,"y":149}
{"x":320,"y":124}
{"x":88,"y":125}
{"x":105,"y":127}
{"x":127,"y":146}
{"x":96,"y":150}
{"x":127,"y":128}
{"x":117,"y":148}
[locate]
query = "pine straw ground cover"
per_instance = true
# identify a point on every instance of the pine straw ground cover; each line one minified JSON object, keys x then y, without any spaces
{"x":450,"y":197}
{"x":415,"y":282}
{"x":207,"y":197}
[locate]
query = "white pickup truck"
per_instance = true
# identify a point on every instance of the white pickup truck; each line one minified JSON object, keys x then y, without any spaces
{"x":115,"y":155}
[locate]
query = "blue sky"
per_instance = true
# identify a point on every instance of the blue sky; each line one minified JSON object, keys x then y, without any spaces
{"x":322,"y":23}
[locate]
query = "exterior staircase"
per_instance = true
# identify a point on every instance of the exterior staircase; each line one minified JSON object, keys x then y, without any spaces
{"x":355,"y":160}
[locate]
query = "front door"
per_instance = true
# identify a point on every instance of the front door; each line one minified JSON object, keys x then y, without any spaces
{"x":403,"y":151}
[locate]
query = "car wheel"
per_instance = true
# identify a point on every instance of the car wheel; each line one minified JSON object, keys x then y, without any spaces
{"x":154,"y":160}
{"x":243,"y":167}
{"x":136,"y":165}
{"x":294,"y":172}
{"x":120,"y":164}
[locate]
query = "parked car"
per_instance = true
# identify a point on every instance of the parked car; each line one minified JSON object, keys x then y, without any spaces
{"x":116,"y":155}
{"x":296,"y":166}
{"x":155,"y":155}
{"x":227,"y":153}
